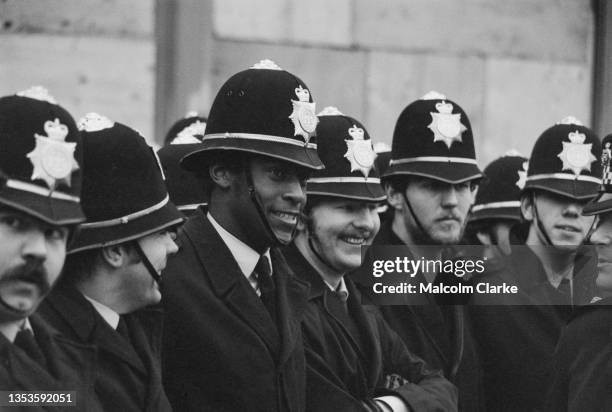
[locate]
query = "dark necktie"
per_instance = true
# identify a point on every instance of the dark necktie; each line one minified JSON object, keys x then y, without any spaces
{"x":25,"y":341}
{"x":122,"y":329}
{"x":565,"y":290}
{"x":337,"y":306}
{"x":263,"y":274}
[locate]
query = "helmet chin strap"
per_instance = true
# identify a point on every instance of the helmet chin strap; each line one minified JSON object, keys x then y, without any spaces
{"x":262,"y":216}
{"x":427,"y":237}
{"x":146,"y":262}
{"x":592,"y":230}
{"x":538,"y":222}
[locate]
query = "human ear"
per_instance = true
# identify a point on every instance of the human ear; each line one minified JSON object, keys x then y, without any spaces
{"x":394,"y":197}
{"x":114,"y":255}
{"x":527,"y":207}
{"x":221,"y":175}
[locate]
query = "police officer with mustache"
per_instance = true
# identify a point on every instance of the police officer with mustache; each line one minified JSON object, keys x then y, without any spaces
{"x":354,"y":360}
{"x":430,"y":185}
{"x":41,"y":163}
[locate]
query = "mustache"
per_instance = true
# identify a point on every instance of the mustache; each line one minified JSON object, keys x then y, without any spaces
{"x":33,"y":272}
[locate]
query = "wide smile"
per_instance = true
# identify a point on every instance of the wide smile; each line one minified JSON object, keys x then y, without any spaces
{"x":289,"y":218}
{"x":355,"y":240}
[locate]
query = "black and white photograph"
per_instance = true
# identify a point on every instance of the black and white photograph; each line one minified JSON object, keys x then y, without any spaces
{"x":306,"y":205}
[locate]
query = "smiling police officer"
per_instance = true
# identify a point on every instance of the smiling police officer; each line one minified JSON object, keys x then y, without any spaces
{"x":232,"y":333}
{"x":355,"y":361}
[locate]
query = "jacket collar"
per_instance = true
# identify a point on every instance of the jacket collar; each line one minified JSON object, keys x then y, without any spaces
{"x":386,"y":235}
{"x":243,"y":254}
{"x":530,"y":275}
{"x":228,"y":282}
{"x":319,"y":291}
{"x":67,"y":362}
{"x":304,"y":270}
{"x":89,"y":326}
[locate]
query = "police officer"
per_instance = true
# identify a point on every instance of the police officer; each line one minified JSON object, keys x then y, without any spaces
{"x":430,"y":183}
{"x":232,"y":337}
{"x":41,"y":163}
{"x":185,"y":190}
{"x":582,"y":366}
{"x":552,"y":272}
{"x":351,"y":352}
{"x":114,"y":265}
{"x":495,"y":217}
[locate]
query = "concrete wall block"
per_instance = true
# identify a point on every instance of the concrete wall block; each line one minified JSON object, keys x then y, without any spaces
{"x":537,"y":29}
{"x":111,"y":76}
{"x":250,"y":20}
{"x":523,"y":98}
{"x":396,"y":80}
{"x":335,"y":77}
{"x":321,"y":21}
{"x":296,"y":21}
{"x":126,"y":18}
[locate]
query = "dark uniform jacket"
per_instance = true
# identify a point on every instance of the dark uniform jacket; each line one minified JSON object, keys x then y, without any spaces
{"x":69,"y":367}
{"x":582,"y":371}
{"x":439,"y":334}
{"x":352,"y":355}
{"x":518,"y":339}
{"x":222,"y":350}
{"x":128,"y":373}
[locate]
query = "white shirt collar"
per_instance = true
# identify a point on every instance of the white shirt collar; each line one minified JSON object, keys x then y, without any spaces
{"x":341,"y":290}
{"x":10,"y":330}
{"x":110,"y":316}
{"x":27,"y":325}
{"x":244,"y":255}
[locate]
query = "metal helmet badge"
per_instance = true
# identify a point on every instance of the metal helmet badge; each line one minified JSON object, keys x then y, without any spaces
{"x":303,"y":115}
{"x":360,"y":152}
{"x":576,"y":155}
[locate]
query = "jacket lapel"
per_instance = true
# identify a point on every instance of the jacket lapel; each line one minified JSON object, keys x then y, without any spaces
{"x":291,"y":294}
{"x":227,"y":281}
{"x":319,"y":290}
{"x":372,"y":348}
{"x":26,"y":372}
{"x":89,"y":326}
{"x":424,"y":310}
{"x":68,"y":365}
{"x":145,"y":333}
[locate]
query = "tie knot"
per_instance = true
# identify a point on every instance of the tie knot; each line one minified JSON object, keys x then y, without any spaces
{"x":24,"y":335}
{"x":263,"y":267}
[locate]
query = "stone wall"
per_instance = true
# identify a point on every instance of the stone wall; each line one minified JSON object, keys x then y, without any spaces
{"x":93,"y":55}
{"x":516,"y":67}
